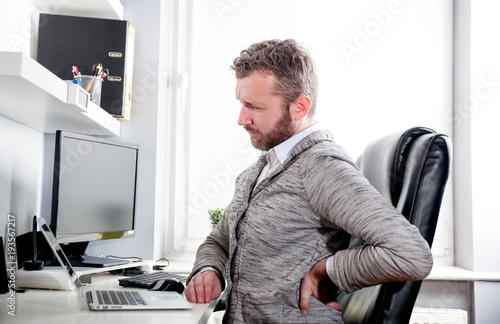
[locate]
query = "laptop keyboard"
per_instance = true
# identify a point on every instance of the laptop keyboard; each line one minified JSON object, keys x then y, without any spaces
{"x":116,"y":297}
{"x":145,"y":280}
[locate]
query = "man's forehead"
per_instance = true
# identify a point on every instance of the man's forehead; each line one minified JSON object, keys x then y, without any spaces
{"x":255,"y":84}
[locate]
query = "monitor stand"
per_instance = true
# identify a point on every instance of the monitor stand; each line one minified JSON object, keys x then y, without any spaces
{"x":78,"y":258}
{"x":95,"y":262}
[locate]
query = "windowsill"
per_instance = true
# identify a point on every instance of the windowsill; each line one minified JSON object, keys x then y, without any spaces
{"x":454,"y":273}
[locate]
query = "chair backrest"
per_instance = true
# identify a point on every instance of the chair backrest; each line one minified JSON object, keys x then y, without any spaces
{"x":410,"y":169}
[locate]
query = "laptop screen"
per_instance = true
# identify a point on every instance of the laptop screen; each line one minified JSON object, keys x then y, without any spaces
{"x":58,"y":252}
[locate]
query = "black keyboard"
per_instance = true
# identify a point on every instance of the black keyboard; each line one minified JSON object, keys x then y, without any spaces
{"x":145,"y":280}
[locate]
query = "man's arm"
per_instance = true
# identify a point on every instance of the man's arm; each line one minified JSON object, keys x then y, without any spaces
{"x":394,"y":250}
{"x":206,"y":281}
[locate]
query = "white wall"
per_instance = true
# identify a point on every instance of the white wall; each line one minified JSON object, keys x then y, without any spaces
{"x":20,"y":174}
{"x":484,"y":94}
{"x":477,"y":98}
{"x":446,"y":294}
{"x":21,"y":148}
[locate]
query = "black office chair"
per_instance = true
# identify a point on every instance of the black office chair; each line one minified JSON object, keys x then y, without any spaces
{"x":410,"y":169}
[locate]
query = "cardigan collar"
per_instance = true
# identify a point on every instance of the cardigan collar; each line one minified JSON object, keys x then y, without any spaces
{"x":302,"y":146}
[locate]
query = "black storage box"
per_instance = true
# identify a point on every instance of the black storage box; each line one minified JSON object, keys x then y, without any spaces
{"x":64,"y":41}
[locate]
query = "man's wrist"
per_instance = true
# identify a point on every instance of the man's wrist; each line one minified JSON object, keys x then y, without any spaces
{"x":329,"y":269}
{"x":206,"y":268}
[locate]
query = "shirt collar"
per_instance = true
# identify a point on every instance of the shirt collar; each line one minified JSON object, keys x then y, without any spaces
{"x":283,"y":149}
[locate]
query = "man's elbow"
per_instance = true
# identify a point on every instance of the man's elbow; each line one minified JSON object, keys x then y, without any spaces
{"x":428,"y":264}
{"x":422,"y":265}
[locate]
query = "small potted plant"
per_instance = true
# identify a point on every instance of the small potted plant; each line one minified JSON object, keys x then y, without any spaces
{"x":215,"y":215}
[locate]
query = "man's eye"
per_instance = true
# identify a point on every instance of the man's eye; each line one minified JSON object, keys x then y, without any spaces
{"x":249,"y":105}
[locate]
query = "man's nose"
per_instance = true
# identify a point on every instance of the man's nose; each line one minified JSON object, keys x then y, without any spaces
{"x":244,"y":118}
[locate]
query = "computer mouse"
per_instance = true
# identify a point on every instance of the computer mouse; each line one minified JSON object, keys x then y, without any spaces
{"x":167,"y":285}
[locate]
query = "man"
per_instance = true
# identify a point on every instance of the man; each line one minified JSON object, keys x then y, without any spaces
{"x":281,"y":243}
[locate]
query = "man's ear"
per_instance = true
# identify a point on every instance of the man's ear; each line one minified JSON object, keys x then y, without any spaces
{"x":300,"y":108}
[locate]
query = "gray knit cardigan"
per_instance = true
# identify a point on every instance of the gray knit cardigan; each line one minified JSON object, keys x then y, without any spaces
{"x":271,"y":235}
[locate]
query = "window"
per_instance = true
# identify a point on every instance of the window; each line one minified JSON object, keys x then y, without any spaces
{"x":383,"y":66}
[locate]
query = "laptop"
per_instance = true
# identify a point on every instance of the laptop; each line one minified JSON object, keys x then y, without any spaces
{"x":117,"y":299}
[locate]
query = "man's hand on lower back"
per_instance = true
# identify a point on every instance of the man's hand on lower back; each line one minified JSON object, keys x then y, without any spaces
{"x":317,"y":283}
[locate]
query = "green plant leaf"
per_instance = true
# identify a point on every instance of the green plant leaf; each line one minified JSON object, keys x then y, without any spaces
{"x":215,"y":216}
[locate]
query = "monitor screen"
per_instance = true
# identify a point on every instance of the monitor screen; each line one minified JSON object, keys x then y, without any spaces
{"x":94,"y":188}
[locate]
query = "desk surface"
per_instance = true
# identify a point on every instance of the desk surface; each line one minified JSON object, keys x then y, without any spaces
{"x":56,"y":306}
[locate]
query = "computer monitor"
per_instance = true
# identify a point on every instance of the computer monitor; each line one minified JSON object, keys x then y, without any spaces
{"x":93,"y":193}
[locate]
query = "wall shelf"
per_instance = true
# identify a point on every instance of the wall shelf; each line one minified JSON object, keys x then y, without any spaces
{"x":110,"y":9}
{"x":32,"y":95}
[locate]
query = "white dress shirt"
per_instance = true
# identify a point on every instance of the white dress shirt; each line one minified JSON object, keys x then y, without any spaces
{"x":278,"y":154}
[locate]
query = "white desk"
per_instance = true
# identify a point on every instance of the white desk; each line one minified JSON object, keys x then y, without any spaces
{"x":56,"y":306}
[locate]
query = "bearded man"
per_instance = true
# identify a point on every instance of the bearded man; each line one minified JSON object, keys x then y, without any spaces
{"x":280,"y":247}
